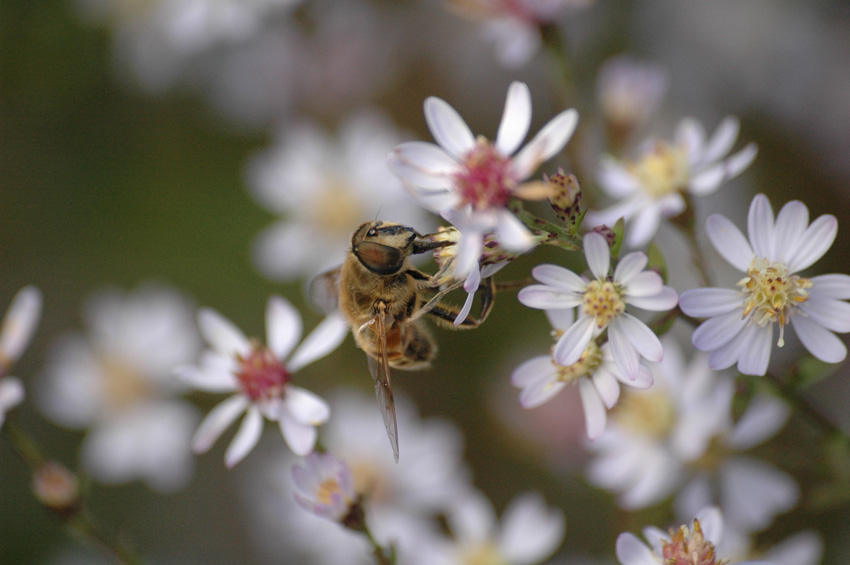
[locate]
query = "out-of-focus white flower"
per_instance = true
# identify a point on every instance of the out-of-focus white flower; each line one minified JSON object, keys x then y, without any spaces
{"x":470,"y":181}
{"x":513,"y":26}
{"x":741,"y":321}
{"x":323,"y":187}
{"x":324,"y":486}
{"x":11,"y":394}
{"x":695,"y":545}
{"x":679,"y":436}
{"x":116,"y":382}
{"x":651,"y":187}
{"x":400,"y":499}
{"x":603,"y":303}
{"x":541,"y":378}
{"x":528,"y":533}
{"x":804,"y":548}
{"x":629,"y":93}
{"x":261,"y":377}
{"x":18,"y":326}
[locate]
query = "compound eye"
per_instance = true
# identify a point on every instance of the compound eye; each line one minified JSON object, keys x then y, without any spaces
{"x":379,"y":258}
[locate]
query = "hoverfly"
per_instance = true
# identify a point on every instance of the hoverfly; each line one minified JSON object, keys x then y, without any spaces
{"x":382,"y":296}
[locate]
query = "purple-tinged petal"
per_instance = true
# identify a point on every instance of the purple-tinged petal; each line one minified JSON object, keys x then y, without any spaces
{"x":765,"y":415}
{"x":722,"y":140}
{"x":729,"y":242}
{"x":831,"y":286}
{"x":423,"y":164}
{"x":615,"y":179}
{"x":718,"y":331}
{"x":560,"y":278}
{"x":548,"y":141}
{"x":647,"y":283}
{"x":217,"y":421}
{"x":641,"y":337}
{"x":575,"y":340}
{"x":815,"y":241}
{"x":691,"y":135}
{"x":594,"y":410}
{"x":760,"y":227}
{"x":755,"y":355}
{"x":300,"y":438}
{"x":820,"y":342}
{"x":547,"y":298}
{"x":448,"y":128}
{"x":539,"y":392}
{"x":661,"y":302}
{"x":833,"y":315}
{"x":710,"y":302}
{"x":246,"y":437}
{"x":644,"y":226}
{"x":533,"y":370}
{"x":632,"y":551}
{"x":607,"y":387}
{"x":598,"y":254}
{"x":629,"y":266}
{"x":626,"y":357}
{"x":516,"y":119}
{"x":791,"y":223}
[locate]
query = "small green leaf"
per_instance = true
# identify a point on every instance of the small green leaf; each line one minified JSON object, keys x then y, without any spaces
{"x":618,"y":229}
{"x":811,"y":370}
{"x":657,"y":262}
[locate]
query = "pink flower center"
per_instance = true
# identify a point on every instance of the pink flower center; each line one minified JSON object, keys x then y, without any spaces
{"x":486,"y":180}
{"x":261,"y":374}
{"x":689,"y":547}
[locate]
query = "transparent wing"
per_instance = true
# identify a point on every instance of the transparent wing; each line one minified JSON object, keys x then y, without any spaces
{"x":324,"y":291}
{"x":380,"y":369}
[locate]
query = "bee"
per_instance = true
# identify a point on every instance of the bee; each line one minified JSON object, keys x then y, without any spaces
{"x":383,"y":297}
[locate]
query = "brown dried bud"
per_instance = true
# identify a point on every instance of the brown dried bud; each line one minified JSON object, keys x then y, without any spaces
{"x":56,"y":487}
{"x":566,"y":196}
{"x":605,"y":232}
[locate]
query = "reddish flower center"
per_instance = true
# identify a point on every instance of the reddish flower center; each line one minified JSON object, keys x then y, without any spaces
{"x":486,"y":180}
{"x":261,"y":374}
{"x":689,"y":547}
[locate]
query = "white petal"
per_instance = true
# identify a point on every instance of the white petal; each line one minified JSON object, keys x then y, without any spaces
{"x":632,"y":551}
{"x":647,"y":283}
{"x":663,"y":301}
{"x":710,"y":302}
{"x":659,"y":476}
{"x":643,"y":380}
{"x":629,"y":266}
{"x":300,"y":438}
{"x":467,"y":306}
{"x":322,"y":340}
{"x":722,"y":140}
{"x":833,"y":315}
{"x":615,"y":179}
{"x":546,"y":298}
{"x":711,"y":522}
{"x":820,"y":342}
{"x":705,"y":182}
{"x":594,"y":409}
{"x":755,"y":355}
{"x":691,"y":134}
{"x":575,"y":340}
{"x":559,"y":277}
{"x":754,"y":492}
{"x":815,"y":241}
{"x":641,"y":337}
{"x":805,"y":548}
{"x":423,"y":164}
{"x":561,"y":318}
{"x":532,"y":370}
{"x":760,"y":227}
{"x":531,"y":531}
{"x":512,"y":233}
{"x":305,"y":407}
{"x":540,"y":392}
{"x":516,"y":119}
{"x":217,"y":421}
{"x":468,"y":252}
{"x":644,"y":225}
{"x":19,"y":324}
{"x":625,"y":355}
{"x":283,"y":326}
{"x":727,"y":355}
{"x":246,"y":438}
{"x":718,"y":331}
{"x":607,"y":387}
{"x":831,"y":286}
{"x":764,"y":417}
{"x":11,"y":394}
{"x":221,"y":334}
{"x":598,"y":254}
{"x":548,"y":141}
{"x":206,"y":379}
{"x":729,"y":242}
{"x":448,"y":128}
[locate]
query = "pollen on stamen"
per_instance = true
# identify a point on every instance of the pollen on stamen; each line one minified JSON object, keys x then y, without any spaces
{"x":486,"y":180}
{"x":261,"y":375}
{"x":603,"y":302}
{"x":590,"y":359}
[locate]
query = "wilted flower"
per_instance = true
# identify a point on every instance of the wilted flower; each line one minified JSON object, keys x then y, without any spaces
{"x":740,"y":325}
{"x":261,"y":377}
{"x":652,"y":186}
{"x":470,"y":180}
{"x":324,"y":486}
{"x":603,"y":303}
{"x":595,"y":372}
{"x":116,"y":382}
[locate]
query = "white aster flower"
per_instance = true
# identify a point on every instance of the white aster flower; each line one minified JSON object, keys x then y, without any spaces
{"x":19,"y":325}
{"x":803,"y":548}
{"x":324,"y":486}
{"x":541,"y":378}
{"x":261,"y":377}
{"x":528,"y":532}
{"x":741,"y":321}
{"x":629,"y":93}
{"x":695,"y":545}
{"x":470,"y":181}
{"x":602,"y":304}
{"x":115,"y":381}
{"x":679,"y":437}
{"x":323,"y":187}
{"x":652,"y":186}
{"x":11,"y":394}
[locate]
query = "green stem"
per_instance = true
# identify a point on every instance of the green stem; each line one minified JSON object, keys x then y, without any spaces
{"x":546,"y":232}
{"x":382,"y":556}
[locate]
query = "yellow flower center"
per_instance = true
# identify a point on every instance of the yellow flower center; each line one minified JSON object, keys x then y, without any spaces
{"x":771,"y":294}
{"x":603,"y":301}
{"x":326,"y":490}
{"x":585,"y":366}
{"x":649,"y":413}
{"x":336,"y":208}
{"x":123,"y":385}
{"x":485,"y":553}
{"x":662,"y":171}
{"x":372,"y":480}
